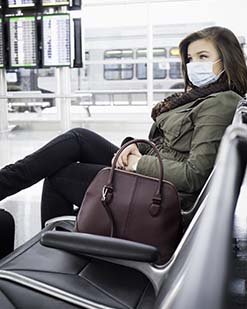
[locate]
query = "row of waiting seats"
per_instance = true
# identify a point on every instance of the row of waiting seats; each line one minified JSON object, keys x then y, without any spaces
{"x":60,"y":268}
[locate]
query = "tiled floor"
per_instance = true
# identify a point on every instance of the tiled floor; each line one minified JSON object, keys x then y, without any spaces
{"x":25,"y":205}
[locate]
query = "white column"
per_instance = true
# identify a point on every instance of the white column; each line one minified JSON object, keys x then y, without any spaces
{"x":63,"y":104}
{"x":150,"y":56}
{"x":3,"y":102}
{"x":64,"y":89}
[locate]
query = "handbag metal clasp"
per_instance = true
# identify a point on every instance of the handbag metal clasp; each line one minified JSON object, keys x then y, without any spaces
{"x":106,"y":194}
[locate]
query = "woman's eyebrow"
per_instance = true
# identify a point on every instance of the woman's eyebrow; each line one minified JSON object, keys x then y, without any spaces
{"x":200,"y":52}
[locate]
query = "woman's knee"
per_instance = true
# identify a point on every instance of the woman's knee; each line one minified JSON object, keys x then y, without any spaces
{"x":83,"y":136}
{"x":79,"y":131}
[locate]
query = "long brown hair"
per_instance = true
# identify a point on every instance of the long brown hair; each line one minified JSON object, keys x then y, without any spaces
{"x":233,"y":78}
{"x":230,"y":52}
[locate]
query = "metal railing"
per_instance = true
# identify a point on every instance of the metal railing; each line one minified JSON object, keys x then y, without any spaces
{"x":35,"y":101}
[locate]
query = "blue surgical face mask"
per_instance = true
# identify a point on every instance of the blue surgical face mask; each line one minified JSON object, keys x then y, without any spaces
{"x":201,"y":73}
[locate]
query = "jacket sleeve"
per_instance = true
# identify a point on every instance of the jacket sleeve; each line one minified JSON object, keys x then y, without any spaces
{"x":210,"y":122}
{"x":126,"y":140}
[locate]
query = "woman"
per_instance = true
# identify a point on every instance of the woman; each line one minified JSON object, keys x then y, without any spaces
{"x":187,"y":130}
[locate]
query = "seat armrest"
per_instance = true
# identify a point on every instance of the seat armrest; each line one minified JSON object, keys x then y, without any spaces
{"x":101,"y":246}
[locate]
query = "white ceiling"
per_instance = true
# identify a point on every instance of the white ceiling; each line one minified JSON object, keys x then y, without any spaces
{"x":113,"y":13}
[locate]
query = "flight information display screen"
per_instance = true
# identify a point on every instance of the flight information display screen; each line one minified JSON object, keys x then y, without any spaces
{"x":1,"y":44}
{"x":54,"y":2}
{"x":56,"y":40}
{"x":23,"y":41}
{"x":20,"y":3}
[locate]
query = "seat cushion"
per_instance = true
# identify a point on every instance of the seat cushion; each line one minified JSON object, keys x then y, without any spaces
{"x":92,"y":279}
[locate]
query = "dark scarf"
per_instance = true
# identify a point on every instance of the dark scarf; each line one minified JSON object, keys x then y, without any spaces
{"x":179,"y":99}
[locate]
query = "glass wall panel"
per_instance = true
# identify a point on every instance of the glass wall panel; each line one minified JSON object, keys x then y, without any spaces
{"x":118,"y":71}
{"x":158,"y":71}
{"x":116,"y":56}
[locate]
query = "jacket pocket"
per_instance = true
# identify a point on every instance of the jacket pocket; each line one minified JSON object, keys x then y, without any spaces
{"x":176,"y":123}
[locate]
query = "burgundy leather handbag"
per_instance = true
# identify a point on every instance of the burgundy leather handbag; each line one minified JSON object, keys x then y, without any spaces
{"x":132,"y":206}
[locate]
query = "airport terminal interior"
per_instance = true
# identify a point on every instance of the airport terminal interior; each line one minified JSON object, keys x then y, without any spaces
{"x":95,"y":64}
{"x":107,"y":83}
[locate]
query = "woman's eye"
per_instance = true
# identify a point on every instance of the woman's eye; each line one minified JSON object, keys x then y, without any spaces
{"x":203,"y":57}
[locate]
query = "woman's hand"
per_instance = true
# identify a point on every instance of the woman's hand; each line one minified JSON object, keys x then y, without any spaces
{"x":132,"y":163}
{"x":123,"y":160}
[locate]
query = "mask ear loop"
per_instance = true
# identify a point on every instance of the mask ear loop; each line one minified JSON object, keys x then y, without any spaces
{"x":218,"y":75}
{"x":217,"y":60}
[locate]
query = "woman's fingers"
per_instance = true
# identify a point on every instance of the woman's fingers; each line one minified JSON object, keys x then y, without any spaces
{"x":119,"y":163}
{"x":124,"y":158}
{"x":122,"y":161}
{"x":125,"y":154}
{"x":113,"y":158}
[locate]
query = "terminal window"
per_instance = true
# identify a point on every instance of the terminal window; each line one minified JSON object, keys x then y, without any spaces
{"x":118,"y":71}
{"x":175,"y":67}
{"x":158,"y":71}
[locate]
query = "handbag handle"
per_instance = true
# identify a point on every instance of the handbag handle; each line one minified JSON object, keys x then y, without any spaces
{"x":135,"y":141}
{"x":107,"y":191}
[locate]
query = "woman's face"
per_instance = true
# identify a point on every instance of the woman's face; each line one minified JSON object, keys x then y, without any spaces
{"x":204,"y":50}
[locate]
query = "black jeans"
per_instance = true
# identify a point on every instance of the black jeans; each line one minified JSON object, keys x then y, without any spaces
{"x":68,"y":163}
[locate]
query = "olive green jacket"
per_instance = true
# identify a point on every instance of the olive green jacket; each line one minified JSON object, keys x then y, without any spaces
{"x":188,"y":138}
